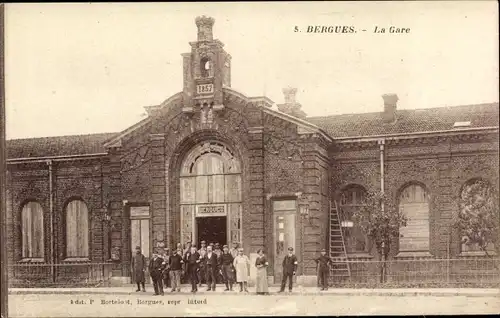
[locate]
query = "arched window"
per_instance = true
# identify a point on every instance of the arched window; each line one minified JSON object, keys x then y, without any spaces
{"x":475,"y":197}
{"x":77,"y":230}
{"x":210,"y":185}
{"x":351,"y":199}
{"x":32,"y":231}
{"x":205,"y":66}
{"x":414,"y":203}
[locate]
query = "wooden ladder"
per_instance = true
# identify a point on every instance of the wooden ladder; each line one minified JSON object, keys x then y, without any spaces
{"x":340,"y":271}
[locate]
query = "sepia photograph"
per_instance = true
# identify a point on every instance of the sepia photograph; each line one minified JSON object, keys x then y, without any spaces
{"x":249,"y":159}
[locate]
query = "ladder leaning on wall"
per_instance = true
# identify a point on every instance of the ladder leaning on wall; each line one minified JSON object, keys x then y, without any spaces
{"x":340,"y":270}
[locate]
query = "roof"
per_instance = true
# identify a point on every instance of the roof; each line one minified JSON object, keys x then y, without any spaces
{"x":336,"y":126}
{"x":408,"y":121}
{"x":57,"y":146}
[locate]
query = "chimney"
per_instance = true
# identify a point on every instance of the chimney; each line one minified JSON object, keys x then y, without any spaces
{"x":205,"y":25}
{"x":291,"y":107}
{"x":390,"y":107}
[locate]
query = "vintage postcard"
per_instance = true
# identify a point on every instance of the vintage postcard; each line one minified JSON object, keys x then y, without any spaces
{"x":238,"y":159}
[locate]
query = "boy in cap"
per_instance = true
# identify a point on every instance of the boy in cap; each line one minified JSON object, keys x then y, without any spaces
{"x":289,"y":270}
{"x":139,"y":268}
{"x":324,"y":263}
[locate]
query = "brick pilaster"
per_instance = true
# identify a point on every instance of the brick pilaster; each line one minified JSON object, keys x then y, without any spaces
{"x":253,"y":220}
{"x":158,"y":191}
{"x":113,"y":175}
{"x":442,"y":237}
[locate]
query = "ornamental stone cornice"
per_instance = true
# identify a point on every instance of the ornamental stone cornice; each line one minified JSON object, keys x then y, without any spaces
{"x":476,"y":135}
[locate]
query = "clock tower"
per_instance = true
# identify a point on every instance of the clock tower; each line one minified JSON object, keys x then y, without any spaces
{"x":207,"y":68}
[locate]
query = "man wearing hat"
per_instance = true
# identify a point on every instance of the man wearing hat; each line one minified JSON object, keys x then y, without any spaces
{"x":289,"y":269}
{"x":139,"y":268}
{"x":202,"y":273}
{"x":192,"y":259}
{"x":156,"y":270}
{"x":324,"y":263}
{"x":227,"y":267}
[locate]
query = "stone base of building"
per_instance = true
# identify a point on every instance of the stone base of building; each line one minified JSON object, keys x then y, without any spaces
{"x":307,"y":280}
{"x":118,"y":281}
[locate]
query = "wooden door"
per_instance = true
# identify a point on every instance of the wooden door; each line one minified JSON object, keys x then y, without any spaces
{"x":284,"y":237}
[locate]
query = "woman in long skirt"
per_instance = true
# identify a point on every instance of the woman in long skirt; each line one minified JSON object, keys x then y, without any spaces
{"x":261,"y":281}
{"x":242,"y":266}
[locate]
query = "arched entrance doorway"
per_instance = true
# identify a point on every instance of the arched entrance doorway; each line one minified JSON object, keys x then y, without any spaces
{"x":210,"y":195}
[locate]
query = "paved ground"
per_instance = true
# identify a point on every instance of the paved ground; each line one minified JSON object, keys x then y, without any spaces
{"x":298,"y":290}
{"x":218,"y":304}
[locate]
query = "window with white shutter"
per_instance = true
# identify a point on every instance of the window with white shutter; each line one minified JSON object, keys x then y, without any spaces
{"x":414,"y":203}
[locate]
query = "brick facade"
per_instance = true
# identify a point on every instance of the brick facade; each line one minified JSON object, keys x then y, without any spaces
{"x":282,"y":156}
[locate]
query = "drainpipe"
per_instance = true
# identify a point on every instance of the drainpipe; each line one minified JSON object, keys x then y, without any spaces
{"x":51,"y":214}
{"x":381,"y":144}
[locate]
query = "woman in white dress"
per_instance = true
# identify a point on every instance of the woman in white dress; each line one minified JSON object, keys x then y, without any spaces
{"x":242,"y":265}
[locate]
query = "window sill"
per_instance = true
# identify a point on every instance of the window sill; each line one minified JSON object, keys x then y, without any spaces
{"x":76,"y":260}
{"x":32,"y":260}
{"x":410,"y":254}
{"x":476,"y":253}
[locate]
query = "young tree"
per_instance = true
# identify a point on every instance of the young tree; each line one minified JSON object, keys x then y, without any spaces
{"x":478,"y":219}
{"x":381,"y":220}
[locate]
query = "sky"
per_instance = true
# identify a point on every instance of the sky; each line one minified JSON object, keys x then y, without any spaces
{"x":91,"y":68}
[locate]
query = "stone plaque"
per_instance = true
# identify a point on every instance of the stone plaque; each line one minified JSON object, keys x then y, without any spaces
{"x":211,"y":210}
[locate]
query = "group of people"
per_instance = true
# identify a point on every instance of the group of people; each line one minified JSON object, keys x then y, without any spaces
{"x":211,"y":265}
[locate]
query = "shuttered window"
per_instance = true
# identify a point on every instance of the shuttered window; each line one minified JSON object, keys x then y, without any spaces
{"x":414,"y":203}
{"x":77,"y":229}
{"x":32,"y":230}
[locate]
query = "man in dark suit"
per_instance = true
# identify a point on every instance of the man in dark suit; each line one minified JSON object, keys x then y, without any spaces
{"x":289,"y":269}
{"x":324,"y":263}
{"x":212,"y":266}
{"x":192,"y":259}
{"x":156,"y":271}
